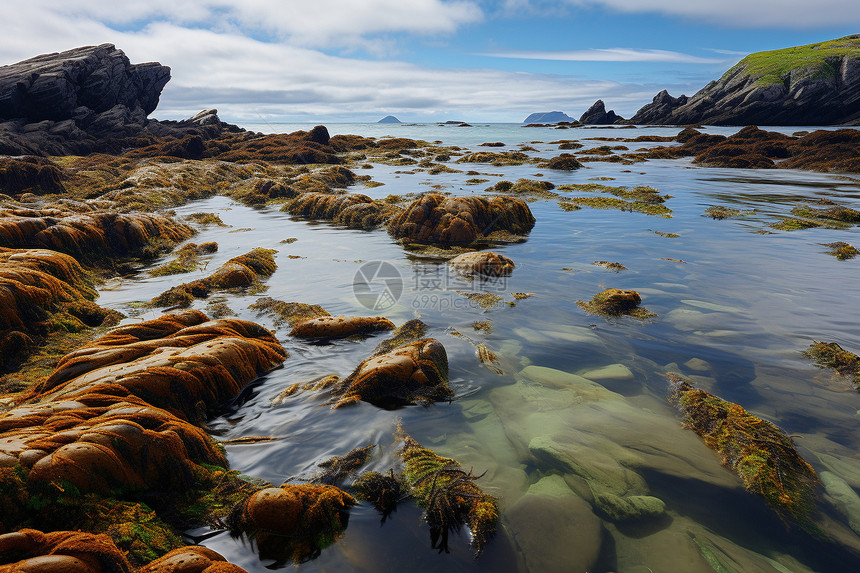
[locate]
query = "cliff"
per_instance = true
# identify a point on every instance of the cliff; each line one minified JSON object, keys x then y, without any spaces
{"x":816,"y":84}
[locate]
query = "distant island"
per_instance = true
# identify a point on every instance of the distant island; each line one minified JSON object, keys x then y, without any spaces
{"x":389,"y":119}
{"x":548,"y":117}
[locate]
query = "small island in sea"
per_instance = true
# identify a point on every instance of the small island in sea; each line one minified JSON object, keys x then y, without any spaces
{"x":389,"y":119}
{"x":628,"y":347}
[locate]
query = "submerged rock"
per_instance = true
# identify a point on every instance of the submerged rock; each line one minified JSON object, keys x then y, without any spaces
{"x":761,"y":454}
{"x":340,"y":326}
{"x":831,"y":355}
{"x":482,"y":263}
{"x":437,"y":219}
{"x":409,"y":374}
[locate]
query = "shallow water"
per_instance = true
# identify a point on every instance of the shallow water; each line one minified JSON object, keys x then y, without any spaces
{"x":736,"y":303}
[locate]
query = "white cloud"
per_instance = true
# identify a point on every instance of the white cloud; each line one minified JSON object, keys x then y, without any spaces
{"x":799,"y":14}
{"x":607,"y":55}
{"x":318,"y":23}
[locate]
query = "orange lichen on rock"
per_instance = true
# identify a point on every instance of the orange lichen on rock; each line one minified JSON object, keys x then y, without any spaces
{"x":242,"y":271}
{"x":88,"y":236}
{"x":31,"y":551}
{"x":191,"y":559}
{"x":340,"y":326}
{"x":482,"y":263}
{"x":409,"y":374}
{"x":435,"y":218}
{"x":292,"y":522}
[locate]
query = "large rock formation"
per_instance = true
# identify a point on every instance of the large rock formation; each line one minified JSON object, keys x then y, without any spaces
{"x":816,"y":84}
{"x":597,"y":115}
{"x":87,"y":99}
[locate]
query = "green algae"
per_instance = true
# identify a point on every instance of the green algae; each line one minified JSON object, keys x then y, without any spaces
{"x":762,"y":455}
{"x":667,"y":235}
{"x":842,"y":251}
{"x":831,"y":355}
{"x":207,"y":219}
{"x":792,"y":224}
{"x":615,"y":302}
{"x":384,"y":491}
{"x":617,"y":267}
{"x":291,"y":313}
{"x":721,"y":212}
{"x":448,"y":494}
{"x":619,"y":204}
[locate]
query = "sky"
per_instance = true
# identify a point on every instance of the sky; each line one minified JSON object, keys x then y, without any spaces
{"x":422,"y":60}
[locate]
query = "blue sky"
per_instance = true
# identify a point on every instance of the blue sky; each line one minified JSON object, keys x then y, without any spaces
{"x":423,"y":60}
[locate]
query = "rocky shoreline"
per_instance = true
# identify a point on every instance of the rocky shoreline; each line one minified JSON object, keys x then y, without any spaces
{"x":104,"y":457}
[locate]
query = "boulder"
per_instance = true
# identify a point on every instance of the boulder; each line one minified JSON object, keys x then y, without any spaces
{"x":326,"y":327}
{"x":482,"y":263}
{"x":437,"y":219}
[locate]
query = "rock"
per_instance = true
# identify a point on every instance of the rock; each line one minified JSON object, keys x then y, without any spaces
{"x":597,"y":115}
{"x":610,"y":372}
{"x":191,"y":559}
{"x":843,"y":497}
{"x":616,"y":302}
{"x":816,"y":84}
{"x":410,"y":374}
{"x":340,"y":326}
{"x":628,"y":508}
{"x":538,"y":522}
{"x":389,"y":119}
{"x":352,"y":210}
{"x":61,"y":552}
{"x":564,"y":162}
{"x":548,"y":117}
{"x":482,"y":263}
{"x":437,"y":219}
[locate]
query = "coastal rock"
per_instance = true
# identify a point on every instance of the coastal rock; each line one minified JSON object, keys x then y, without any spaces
{"x":327,"y":327}
{"x":90,"y":237}
{"x":437,"y":219}
{"x":482,"y":263}
{"x":617,"y":509}
{"x":563,"y":162}
{"x":191,"y":559}
{"x":409,"y":374}
{"x":816,"y":84}
{"x":60,"y":552}
{"x":616,"y":302}
{"x":597,"y":115}
{"x":352,"y":210}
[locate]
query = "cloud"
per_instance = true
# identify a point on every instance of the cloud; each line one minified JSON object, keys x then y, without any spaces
{"x":607,"y":55}
{"x":320,"y":23}
{"x":794,"y":14}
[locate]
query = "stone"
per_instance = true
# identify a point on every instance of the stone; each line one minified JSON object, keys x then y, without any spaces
{"x":482,"y":263}
{"x":610,"y":372}
{"x":412,"y":373}
{"x":628,"y":508}
{"x":327,"y":327}
{"x":597,"y":115}
{"x":539,"y":522}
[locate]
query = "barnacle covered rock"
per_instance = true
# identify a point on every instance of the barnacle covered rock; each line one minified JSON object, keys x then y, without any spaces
{"x":409,"y":374}
{"x":448,"y":495}
{"x":482,"y":263}
{"x":437,"y":219}
{"x":326,"y":327}
{"x":761,"y":454}
{"x":292,"y":522}
{"x":616,"y":302}
{"x":242,"y":271}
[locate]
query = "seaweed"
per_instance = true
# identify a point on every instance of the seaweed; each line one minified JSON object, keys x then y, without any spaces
{"x":448,"y":494}
{"x":842,"y":251}
{"x":762,"y":455}
{"x":384,"y":491}
{"x":616,"y":302}
{"x":831,"y":355}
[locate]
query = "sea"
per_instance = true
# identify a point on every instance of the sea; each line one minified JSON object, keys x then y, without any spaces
{"x":736,"y":302}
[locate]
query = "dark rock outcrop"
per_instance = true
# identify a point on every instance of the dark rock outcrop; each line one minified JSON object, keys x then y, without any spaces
{"x":816,"y":84}
{"x":597,"y":115}
{"x":548,"y":117}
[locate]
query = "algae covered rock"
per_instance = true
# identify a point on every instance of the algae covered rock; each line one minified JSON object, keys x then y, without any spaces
{"x":831,"y":355}
{"x":415,"y":373}
{"x":482,"y":263}
{"x":30,"y":550}
{"x":326,"y":327}
{"x":292,"y":522}
{"x":437,"y":219}
{"x":616,"y":302}
{"x":617,"y":508}
{"x":191,"y":559}
{"x":761,"y":454}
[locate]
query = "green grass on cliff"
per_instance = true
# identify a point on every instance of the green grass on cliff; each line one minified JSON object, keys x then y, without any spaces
{"x":773,"y":66}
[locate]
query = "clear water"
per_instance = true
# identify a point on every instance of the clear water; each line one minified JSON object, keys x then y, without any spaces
{"x":741,"y":306}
